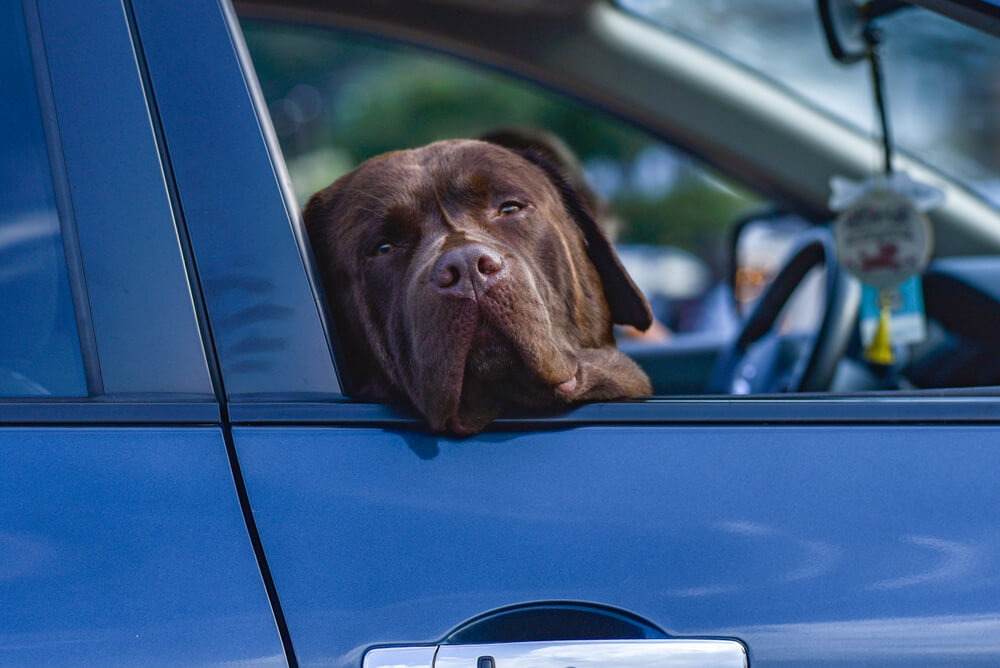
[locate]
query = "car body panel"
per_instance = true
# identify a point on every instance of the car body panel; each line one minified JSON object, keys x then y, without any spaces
{"x":125,"y":546}
{"x":819,"y":545}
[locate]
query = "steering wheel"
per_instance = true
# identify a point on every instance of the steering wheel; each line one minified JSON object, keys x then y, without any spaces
{"x":765,"y":367}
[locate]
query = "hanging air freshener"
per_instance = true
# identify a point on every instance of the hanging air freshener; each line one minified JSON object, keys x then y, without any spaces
{"x":883,"y":237}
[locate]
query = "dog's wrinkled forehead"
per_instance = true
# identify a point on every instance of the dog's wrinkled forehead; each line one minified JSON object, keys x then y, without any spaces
{"x":441,"y":180}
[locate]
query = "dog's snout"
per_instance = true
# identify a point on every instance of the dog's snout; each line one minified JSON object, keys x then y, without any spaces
{"x":467,"y":270}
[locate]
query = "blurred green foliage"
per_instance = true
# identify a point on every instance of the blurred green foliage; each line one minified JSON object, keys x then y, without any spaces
{"x":337,"y":99}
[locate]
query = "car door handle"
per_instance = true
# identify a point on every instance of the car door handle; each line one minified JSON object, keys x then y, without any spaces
{"x":661,"y":653}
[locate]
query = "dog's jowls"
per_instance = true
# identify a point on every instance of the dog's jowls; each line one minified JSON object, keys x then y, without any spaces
{"x":464,"y":277}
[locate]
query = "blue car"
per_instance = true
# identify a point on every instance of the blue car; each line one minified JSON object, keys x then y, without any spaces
{"x":183,"y":480}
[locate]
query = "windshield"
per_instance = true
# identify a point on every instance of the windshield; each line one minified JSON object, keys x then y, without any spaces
{"x":943,"y":78}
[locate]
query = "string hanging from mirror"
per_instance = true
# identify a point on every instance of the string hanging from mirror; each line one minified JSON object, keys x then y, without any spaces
{"x":873,"y":38}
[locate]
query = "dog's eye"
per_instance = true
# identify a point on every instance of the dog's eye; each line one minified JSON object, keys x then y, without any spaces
{"x":508,"y":208}
{"x":382,"y":249}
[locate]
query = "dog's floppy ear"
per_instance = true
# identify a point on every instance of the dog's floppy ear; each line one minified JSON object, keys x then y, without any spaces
{"x":626,"y":302}
{"x":317,"y":216}
{"x":348,"y":350}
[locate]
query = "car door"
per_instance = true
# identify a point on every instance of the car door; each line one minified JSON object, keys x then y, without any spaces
{"x":122,"y":540}
{"x":811,"y":531}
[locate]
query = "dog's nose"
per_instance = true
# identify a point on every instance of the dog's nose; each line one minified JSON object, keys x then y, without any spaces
{"x":467,"y":270}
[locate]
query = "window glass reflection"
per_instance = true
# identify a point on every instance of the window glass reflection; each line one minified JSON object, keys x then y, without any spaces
{"x":39,"y":345}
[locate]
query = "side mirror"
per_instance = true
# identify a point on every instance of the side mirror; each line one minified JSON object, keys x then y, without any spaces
{"x":758,"y":245}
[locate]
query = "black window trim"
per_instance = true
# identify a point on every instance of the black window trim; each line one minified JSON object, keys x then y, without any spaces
{"x":98,"y":411}
{"x":977,"y":405}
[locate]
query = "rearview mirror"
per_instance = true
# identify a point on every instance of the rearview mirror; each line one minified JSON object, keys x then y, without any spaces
{"x":846,"y":22}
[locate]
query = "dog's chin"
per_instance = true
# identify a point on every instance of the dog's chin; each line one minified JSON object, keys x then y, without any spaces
{"x":496,"y":376}
{"x":481,"y":358}
{"x":492,"y":364}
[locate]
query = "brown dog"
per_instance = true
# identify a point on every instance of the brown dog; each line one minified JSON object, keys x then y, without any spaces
{"x":465,"y":277}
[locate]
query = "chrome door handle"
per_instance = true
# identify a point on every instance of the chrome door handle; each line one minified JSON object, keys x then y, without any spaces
{"x":665,"y":653}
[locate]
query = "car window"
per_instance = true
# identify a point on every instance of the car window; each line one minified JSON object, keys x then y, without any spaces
{"x":40,"y":351}
{"x":336,"y":99}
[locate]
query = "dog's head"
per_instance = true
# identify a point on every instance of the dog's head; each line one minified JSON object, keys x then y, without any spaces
{"x":465,"y":276}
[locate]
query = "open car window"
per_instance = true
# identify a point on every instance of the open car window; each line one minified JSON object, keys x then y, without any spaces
{"x":336,"y":98}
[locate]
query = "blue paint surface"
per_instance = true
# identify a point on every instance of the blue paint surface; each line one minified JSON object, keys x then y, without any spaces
{"x":126,"y":547}
{"x":835,"y":546}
